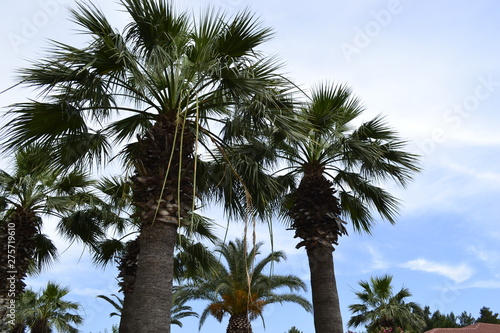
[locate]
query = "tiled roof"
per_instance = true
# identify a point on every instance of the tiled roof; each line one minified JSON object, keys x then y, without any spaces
{"x":476,"y":328}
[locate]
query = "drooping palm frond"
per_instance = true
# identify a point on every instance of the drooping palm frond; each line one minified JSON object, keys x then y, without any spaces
{"x":118,"y":304}
{"x":45,"y":255}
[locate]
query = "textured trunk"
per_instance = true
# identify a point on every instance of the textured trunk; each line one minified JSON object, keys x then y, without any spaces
{"x":153,"y":285}
{"x":163,"y":196}
{"x":128,"y":270}
{"x":239,"y":324}
{"x":327,"y":316}
{"x":40,"y":327}
{"x":6,"y":315}
{"x":127,"y":316}
{"x":315,"y":214}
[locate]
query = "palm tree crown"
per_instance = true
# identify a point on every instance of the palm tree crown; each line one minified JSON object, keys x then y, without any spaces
{"x":381,"y":308}
{"x":240,"y":288}
{"x":350,"y":160}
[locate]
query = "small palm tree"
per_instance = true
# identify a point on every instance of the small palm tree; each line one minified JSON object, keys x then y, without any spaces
{"x":46,"y":310}
{"x":240,"y":288}
{"x":382,"y":309}
{"x":339,"y":167}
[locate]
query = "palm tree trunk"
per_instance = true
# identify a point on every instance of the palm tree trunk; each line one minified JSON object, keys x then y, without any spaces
{"x":163,"y":195}
{"x":127,"y":314}
{"x":239,"y":324}
{"x":40,"y":326}
{"x":128,"y":271}
{"x":327,"y":316}
{"x":153,"y":285}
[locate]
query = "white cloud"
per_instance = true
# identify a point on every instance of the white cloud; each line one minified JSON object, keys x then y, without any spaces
{"x":457,"y":273}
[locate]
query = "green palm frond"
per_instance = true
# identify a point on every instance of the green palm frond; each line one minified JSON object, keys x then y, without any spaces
{"x":180,"y":310}
{"x":118,"y":304}
{"x":107,"y":251}
{"x":380,"y":307}
{"x":46,"y":253}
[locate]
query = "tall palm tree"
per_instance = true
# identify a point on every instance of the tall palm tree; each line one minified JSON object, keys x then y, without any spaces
{"x":47,"y":310}
{"x":340,"y":166}
{"x":33,"y":191}
{"x":380,"y":308}
{"x":157,"y":87}
{"x":241,"y":289}
{"x":191,"y":258}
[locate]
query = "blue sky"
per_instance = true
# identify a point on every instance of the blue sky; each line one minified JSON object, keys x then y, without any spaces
{"x":431,"y":67}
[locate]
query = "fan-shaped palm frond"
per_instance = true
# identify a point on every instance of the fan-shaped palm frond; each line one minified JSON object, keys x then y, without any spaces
{"x":381,"y":308}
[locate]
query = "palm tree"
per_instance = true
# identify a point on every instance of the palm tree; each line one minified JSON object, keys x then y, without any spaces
{"x":191,"y":258}
{"x":381,"y":309}
{"x":46,"y":310}
{"x":158,"y":88}
{"x":31,"y":192}
{"x":240,"y":288}
{"x":340,"y":166}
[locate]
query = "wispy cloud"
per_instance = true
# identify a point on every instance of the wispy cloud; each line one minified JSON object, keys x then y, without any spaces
{"x":378,"y":262}
{"x":457,"y":273}
{"x":486,"y":284}
{"x":489,"y":256}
